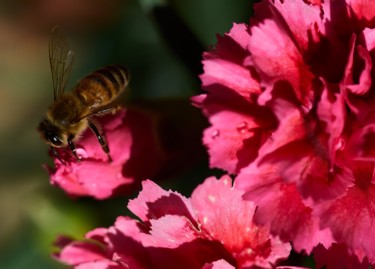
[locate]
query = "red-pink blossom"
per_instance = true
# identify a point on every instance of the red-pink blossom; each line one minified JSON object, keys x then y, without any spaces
{"x":135,"y":153}
{"x":291,"y":104}
{"x":212,"y":229}
{"x":238,"y":123}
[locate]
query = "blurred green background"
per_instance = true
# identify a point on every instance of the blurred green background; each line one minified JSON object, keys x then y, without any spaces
{"x":161,"y":43}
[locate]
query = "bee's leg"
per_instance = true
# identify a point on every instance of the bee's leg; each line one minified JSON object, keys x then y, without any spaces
{"x":56,"y":154}
{"x":101,"y":139}
{"x":72,"y":147}
{"x":111,"y":110}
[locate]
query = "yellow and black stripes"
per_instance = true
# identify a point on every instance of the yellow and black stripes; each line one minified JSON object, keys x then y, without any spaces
{"x":102,"y":86}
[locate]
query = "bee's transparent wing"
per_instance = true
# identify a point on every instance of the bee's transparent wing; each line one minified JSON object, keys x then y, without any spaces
{"x":61,"y":58}
{"x":116,"y":103}
{"x":113,"y":106}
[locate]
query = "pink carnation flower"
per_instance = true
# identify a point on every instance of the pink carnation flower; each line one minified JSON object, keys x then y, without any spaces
{"x":212,"y":229}
{"x":134,"y":151}
{"x":291,"y":104}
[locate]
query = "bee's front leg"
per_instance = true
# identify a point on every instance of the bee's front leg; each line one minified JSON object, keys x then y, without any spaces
{"x":101,"y":140}
{"x":72,"y":147}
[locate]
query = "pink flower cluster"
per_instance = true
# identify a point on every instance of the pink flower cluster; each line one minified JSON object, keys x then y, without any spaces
{"x":291,"y":106}
{"x":212,"y":229}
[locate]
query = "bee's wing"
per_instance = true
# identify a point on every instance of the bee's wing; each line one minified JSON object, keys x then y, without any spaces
{"x":117,"y":103}
{"x":61,"y":58}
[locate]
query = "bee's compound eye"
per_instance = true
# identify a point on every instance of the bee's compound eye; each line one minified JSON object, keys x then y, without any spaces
{"x":54,"y":139}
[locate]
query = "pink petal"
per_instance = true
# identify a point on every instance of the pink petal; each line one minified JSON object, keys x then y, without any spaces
{"x":351,"y":219}
{"x":80,"y":252}
{"x":361,"y":144}
{"x":153,"y":202}
{"x":232,"y":140}
{"x":224,"y":67}
{"x":238,"y":35}
{"x":303,"y":19}
{"x":229,"y":75}
{"x":291,"y":125}
{"x":214,"y":198}
{"x":98,"y":234}
{"x":238,"y":127}
{"x":299,"y":154}
{"x":354,"y":91}
{"x":369,"y":35}
{"x":364,"y":11}
{"x":278,"y":59}
{"x":228,"y":219}
{"x":332,"y":112}
{"x":365,"y":79}
{"x":357,"y":74}
{"x":124,"y":244}
{"x":298,"y":162}
{"x":280,"y":206}
{"x":128,"y":227}
{"x":96,"y":179}
{"x":220,"y":264}
{"x":170,"y":232}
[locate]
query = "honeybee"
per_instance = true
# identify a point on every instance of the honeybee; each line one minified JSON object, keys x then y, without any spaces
{"x":72,"y":112}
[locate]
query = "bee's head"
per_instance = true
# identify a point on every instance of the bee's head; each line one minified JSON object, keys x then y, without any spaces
{"x":51,"y":134}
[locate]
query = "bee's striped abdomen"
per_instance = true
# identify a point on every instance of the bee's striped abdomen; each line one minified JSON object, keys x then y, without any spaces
{"x":102,"y":86}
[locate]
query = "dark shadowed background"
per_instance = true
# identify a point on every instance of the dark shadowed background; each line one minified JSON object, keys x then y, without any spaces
{"x":161,"y":43}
